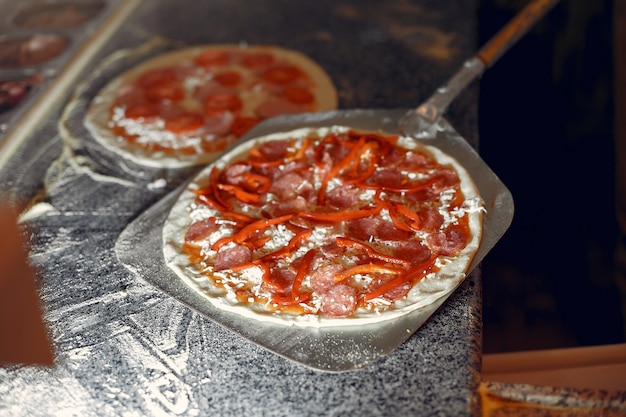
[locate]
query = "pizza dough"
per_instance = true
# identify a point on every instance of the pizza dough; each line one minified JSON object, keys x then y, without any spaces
{"x":187,"y":106}
{"x":325,"y":227}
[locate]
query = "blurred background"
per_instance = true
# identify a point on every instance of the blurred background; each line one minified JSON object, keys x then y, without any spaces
{"x":547,"y":128}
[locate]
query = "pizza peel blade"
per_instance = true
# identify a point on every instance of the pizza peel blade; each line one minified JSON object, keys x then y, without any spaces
{"x":334,"y":349}
{"x":346,"y":348}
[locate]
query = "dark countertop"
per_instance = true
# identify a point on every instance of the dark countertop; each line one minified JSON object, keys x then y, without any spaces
{"x":123,"y":347}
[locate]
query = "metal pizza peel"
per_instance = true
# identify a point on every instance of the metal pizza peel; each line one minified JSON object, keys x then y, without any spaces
{"x":344,"y":348}
{"x":427,"y":124}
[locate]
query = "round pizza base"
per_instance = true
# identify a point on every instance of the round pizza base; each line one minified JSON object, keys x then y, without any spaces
{"x":427,"y":291}
{"x":97,"y":116}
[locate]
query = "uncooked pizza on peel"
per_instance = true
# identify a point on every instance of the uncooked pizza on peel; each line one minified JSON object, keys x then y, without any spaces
{"x":325,"y":227}
{"x":187,"y":106}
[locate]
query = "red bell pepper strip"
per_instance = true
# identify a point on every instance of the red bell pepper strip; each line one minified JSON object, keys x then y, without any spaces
{"x":365,"y":174}
{"x":213,"y":188}
{"x":259,"y":243}
{"x":366,"y":269}
{"x":383,"y":139}
{"x":239,"y":193}
{"x":258,"y":160}
{"x":404,"y":210}
{"x":256,"y":263}
{"x":207,"y":200}
{"x":266,"y":164}
{"x":395,"y":219}
{"x":303,"y":269}
{"x":250,"y":230}
{"x":344,"y":242}
{"x":413,"y":275}
{"x":289,"y":248}
{"x":346,"y":162}
{"x":256,"y":182}
{"x":288,"y":300}
{"x":366,"y":151}
{"x":240,"y":218}
{"x":341,"y":215}
{"x":393,"y":208}
{"x":408,"y":188}
{"x":300,"y":153}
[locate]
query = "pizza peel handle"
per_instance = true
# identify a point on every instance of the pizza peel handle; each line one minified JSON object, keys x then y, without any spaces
{"x":422,"y":121}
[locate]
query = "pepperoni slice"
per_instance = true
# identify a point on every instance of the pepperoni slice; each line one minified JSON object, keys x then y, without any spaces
{"x":142,"y":112}
{"x":339,"y":301}
{"x":343,"y":197}
{"x":229,"y":78}
{"x":296,"y":205}
{"x":274,"y":149}
{"x":363,"y":229}
{"x":165,"y":92}
{"x":412,"y":251}
{"x":184,"y":123}
{"x":210,"y":59}
{"x":216,"y":145}
{"x":393,"y":293}
{"x":156,"y":76}
{"x":276,"y":107}
{"x":200,"y":230}
{"x":431,"y":219}
{"x":257,"y":60}
{"x":281,"y":279}
{"x":298,"y":95}
{"x":322,"y":278}
{"x":449,"y":242}
{"x":221,"y":102}
{"x":203,"y":91}
{"x":387,"y":177}
{"x":231,"y":257}
{"x":217,"y":124}
{"x":242,"y":124}
{"x":130,"y":94}
{"x":286,"y":186}
{"x":282,"y":75}
{"x":388,"y":231}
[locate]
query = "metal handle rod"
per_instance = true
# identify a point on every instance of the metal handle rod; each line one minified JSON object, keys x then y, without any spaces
{"x":514,"y":30}
{"x":474,"y":67}
{"x":492,"y":51}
